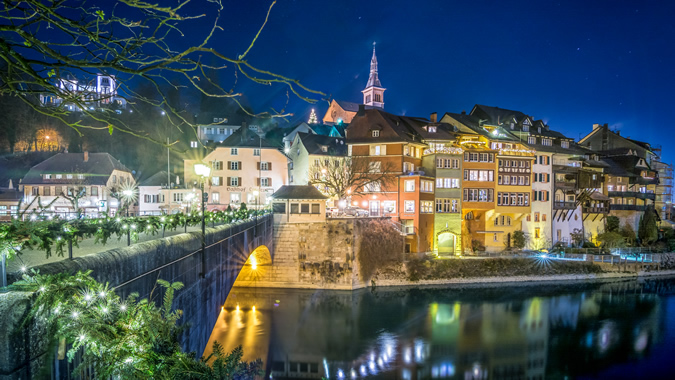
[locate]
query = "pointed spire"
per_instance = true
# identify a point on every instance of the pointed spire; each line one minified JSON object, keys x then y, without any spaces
{"x":373,"y":79}
{"x":11,"y":185}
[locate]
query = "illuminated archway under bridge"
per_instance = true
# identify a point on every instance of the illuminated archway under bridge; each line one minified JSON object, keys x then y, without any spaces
{"x":256,"y":268}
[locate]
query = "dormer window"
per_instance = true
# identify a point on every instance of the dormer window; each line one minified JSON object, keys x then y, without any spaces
{"x":375,"y":133}
{"x":531,"y":140}
{"x":546,"y":142}
{"x":512,"y":126}
{"x":565,"y":144}
{"x":324,"y":148}
{"x":432,"y":129}
{"x":539,"y":129}
{"x":526,"y":128}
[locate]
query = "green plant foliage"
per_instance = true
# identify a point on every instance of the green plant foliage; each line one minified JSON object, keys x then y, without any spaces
{"x":39,"y":232}
{"x":124,"y":338}
{"x":518,"y":239}
{"x":611,"y":239}
{"x":647,"y":229}
{"x":613,"y":223}
{"x":427,"y":269}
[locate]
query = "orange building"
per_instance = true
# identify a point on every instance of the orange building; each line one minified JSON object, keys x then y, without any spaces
{"x":390,"y":144}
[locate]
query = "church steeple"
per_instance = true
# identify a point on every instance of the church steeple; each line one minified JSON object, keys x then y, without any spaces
{"x":373,"y":94}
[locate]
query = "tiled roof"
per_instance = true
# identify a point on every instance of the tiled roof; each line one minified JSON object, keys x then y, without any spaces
{"x":314,"y":144}
{"x":157,"y":179}
{"x":404,"y":127}
{"x":298,"y":192}
{"x":96,"y":170}
{"x":246,"y":138}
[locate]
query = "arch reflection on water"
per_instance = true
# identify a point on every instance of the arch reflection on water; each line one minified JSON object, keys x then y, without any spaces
{"x":518,"y":333}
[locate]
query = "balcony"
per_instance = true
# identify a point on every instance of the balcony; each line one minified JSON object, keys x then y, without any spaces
{"x":627,"y":208}
{"x":595,"y":210}
{"x":443,"y":150}
{"x":566,"y":185}
{"x":557,"y":205}
{"x":631,"y":194}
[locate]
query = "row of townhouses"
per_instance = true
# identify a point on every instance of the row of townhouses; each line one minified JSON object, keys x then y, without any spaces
{"x":452,"y":183}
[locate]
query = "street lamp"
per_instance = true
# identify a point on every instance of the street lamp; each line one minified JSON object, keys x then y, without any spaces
{"x":203,"y":171}
{"x":128,"y":195}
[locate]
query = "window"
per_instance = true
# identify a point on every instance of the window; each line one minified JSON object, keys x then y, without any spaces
{"x":295,"y":208}
{"x":193,"y":144}
{"x":234,"y":165}
{"x":256,"y":152}
{"x":409,"y":185}
{"x":221,"y":131}
{"x":495,"y":238}
{"x":35,"y":190}
{"x":374,"y":166}
{"x":409,"y":206}
{"x":478,"y":175}
{"x":234,"y":151}
{"x":69,"y":176}
{"x":368,"y":99}
{"x":235,"y":198}
{"x":536,"y":216}
{"x":234,"y":181}
{"x":426,"y":186}
{"x":432,"y":129}
{"x":57,"y":190}
{"x":426,"y":207}
{"x":375,"y":133}
{"x":94,"y":191}
{"x":378,"y":98}
{"x":389,"y":207}
{"x":304,"y":208}
{"x":217,"y":165}
{"x":565,"y":144}
{"x":265,"y":182}
{"x":478,"y":195}
{"x":177,"y":197}
{"x":537,"y":234}
{"x":264,"y":166}
{"x":543,"y":217}
{"x":377,"y":150}
{"x":279,"y":208}
{"x":316,"y":208}
{"x":46,"y":190}
{"x":447,"y":205}
{"x":531,"y":140}
{"x":209,"y":131}
{"x":215,"y":197}
{"x":47,"y":176}
{"x":547,"y":142}
{"x":408,"y":167}
{"x":215,"y":181}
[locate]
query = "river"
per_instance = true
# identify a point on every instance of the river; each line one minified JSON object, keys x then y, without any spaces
{"x":619,"y":329}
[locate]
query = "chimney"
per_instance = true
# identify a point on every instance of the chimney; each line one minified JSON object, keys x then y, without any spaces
{"x":433,"y":117}
{"x":86,"y":156}
{"x":463,"y":112}
{"x":596,"y":126}
{"x":362,"y":110}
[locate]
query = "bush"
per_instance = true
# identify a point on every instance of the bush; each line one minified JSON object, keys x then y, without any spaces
{"x":379,"y":244}
{"x":427,"y":269}
{"x":477,"y":245}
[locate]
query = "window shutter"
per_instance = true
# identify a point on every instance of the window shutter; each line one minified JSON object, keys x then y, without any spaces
{"x":229,"y":165}
{"x":220,"y":181}
{"x":239,"y":166}
{"x":548,"y":178}
{"x":548,"y":160}
{"x":466,"y":174}
{"x":257,"y":181}
{"x":229,"y":180}
{"x":220,"y":165}
{"x":258,"y":165}
{"x":240,"y":181}
{"x":269,"y":182}
{"x":269,"y":166}
{"x":547,"y":196}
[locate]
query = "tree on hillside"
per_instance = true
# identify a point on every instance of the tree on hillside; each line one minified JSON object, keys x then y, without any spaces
{"x":340,"y":177}
{"x":613,"y":224}
{"x":46,"y":43}
{"x":648,"y":232}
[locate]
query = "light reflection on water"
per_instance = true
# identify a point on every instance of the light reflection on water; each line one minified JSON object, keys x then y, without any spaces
{"x":532,"y":332}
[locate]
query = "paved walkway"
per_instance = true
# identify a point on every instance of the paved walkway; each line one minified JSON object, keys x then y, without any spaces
{"x":30,"y":258}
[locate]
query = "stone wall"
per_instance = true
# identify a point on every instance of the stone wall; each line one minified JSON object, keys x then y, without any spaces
{"x":136,"y":268}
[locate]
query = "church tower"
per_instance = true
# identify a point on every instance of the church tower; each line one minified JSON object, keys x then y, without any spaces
{"x":373,"y":94}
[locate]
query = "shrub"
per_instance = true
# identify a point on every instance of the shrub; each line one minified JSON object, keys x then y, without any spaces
{"x":379,"y":244}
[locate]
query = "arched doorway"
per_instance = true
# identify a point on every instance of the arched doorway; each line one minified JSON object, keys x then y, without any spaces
{"x":447,"y":242}
{"x":255,"y":268}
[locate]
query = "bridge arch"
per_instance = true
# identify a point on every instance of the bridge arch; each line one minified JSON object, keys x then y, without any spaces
{"x":256,"y":267}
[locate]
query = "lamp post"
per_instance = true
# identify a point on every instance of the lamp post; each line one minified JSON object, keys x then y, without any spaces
{"x":203,"y":171}
{"x":128,"y":195}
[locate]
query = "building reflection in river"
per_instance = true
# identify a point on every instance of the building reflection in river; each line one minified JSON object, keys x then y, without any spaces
{"x":420,"y":334}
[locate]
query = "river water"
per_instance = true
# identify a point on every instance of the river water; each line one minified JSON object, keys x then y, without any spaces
{"x":604,"y":330}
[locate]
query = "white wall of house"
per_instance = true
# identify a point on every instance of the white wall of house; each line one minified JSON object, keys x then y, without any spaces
{"x":538,"y":227}
{"x":150,"y":200}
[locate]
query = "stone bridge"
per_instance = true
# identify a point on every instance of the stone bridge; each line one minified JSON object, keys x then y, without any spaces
{"x":207,"y":278}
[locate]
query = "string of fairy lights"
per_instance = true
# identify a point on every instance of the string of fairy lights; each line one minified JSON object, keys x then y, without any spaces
{"x":48,"y":234}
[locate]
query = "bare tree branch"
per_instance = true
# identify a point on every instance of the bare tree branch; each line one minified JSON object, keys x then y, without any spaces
{"x":342,"y":176}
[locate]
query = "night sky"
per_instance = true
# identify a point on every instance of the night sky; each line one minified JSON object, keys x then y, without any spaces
{"x":571,"y":64}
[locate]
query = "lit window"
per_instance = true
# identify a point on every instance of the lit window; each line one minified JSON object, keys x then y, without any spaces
{"x":409,"y":206}
{"x":234,"y":151}
{"x":234,"y":165}
{"x":256,"y":152}
{"x":48,"y":176}
{"x":59,"y":176}
{"x":432,"y":129}
{"x":235,"y":198}
{"x":376,"y":133}
{"x":193,"y":144}
{"x":565,"y":144}
{"x":426,"y":207}
{"x":531,"y":140}
{"x":264,"y":182}
{"x":409,"y":185}
{"x":215,"y":181}
{"x":215,"y":197}
{"x":234,"y":181}
{"x":69,"y":176}
{"x":377,"y":150}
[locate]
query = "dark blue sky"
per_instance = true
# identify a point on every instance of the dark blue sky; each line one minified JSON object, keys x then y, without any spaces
{"x":570,"y":63}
